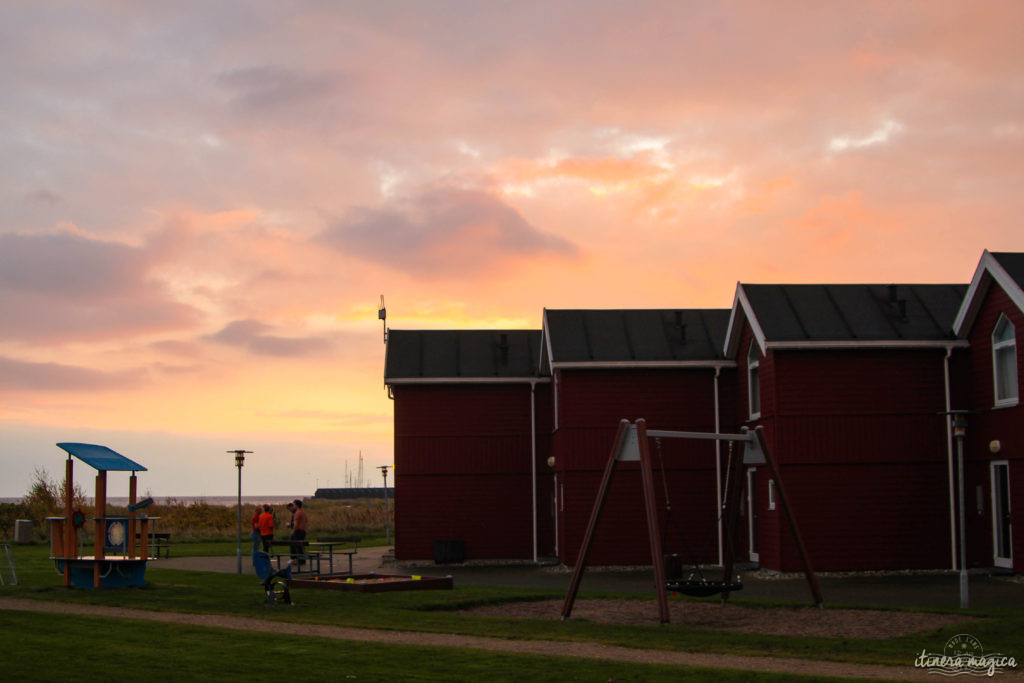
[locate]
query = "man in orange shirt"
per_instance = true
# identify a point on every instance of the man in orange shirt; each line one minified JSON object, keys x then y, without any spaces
{"x":266,"y":524}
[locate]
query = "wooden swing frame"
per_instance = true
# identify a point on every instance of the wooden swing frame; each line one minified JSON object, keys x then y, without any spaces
{"x":631,"y":445}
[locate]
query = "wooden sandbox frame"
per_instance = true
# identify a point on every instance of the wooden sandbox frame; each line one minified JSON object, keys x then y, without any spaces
{"x":374,"y":583}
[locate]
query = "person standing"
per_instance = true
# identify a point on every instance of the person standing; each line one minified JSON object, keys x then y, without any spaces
{"x":266,"y":524}
{"x":255,"y":533}
{"x":300,"y":520}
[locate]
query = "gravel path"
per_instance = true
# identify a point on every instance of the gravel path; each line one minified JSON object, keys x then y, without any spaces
{"x":588,"y":650}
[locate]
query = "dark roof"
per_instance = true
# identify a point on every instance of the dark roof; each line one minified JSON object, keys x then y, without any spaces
{"x":809,"y":313}
{"x":1013,"y":264}
{"x":101,"y":458}
{"x":461,"y":354}
{"x":635,"y":336}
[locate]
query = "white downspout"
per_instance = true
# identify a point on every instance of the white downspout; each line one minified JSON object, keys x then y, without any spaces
{"x":718,"y":468}
{"x":533,"y":460}
{"x":949,"y":458}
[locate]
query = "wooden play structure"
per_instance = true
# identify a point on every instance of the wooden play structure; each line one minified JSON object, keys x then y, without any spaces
{"x":631,"y":445}
{"x":118,"y":559}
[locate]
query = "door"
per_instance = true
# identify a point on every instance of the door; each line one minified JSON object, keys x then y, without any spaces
{"x":1002,"y":536}
{"x":752,"y":513}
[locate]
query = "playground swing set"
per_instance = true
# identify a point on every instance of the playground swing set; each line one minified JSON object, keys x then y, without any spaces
{"x":631,"y":445}
{"x":125,"y":564}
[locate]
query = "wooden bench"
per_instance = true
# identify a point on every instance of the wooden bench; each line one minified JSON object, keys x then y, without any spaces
{"x":157,"y":541}
{"x":329,"y":543}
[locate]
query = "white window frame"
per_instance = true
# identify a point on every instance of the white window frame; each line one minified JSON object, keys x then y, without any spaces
{"x":1005,"y":385}
{"x":771,"y":494}
{"x":754,"y":380}
{"x":997,"y":505}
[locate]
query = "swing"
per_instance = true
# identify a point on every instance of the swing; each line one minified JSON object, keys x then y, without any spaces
{"x":696,"y":585}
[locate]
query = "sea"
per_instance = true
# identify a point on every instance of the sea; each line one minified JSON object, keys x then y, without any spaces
{"x":210,"y":500}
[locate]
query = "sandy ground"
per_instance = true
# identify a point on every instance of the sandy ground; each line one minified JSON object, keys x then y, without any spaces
{"x":788,"y":621}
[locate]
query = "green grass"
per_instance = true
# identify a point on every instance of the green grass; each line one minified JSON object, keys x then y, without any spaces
{"x":439,"y":611}
{"x":89,"y":648}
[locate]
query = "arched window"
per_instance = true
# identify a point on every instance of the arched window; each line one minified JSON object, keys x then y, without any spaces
{"x":1004,"y":362}
{"x":753,"y":380}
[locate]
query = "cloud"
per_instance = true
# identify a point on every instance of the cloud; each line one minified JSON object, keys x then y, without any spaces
{"x":271,"y":86}
{"x":27,"y":376}
{"x":43,"y":196}
{"x":879,"y":136}
{"x":443,"y":230}
{"x":65,"y":286}
{"x":252,"y":335}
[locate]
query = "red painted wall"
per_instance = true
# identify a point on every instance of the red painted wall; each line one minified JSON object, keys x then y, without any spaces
{"x":463,"y":468}
{"x":861,"y":444}
{"x":591,"y":403}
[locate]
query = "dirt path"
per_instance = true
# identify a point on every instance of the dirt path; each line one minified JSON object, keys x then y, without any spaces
{"x":588,"y":650}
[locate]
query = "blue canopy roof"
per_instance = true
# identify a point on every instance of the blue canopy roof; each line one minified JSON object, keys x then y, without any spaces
{"x":101,"y":458}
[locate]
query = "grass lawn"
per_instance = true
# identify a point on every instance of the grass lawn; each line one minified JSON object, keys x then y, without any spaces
{"x":431,"y":611}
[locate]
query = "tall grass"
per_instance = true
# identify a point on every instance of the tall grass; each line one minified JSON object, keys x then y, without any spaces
{"x":198,"y":520}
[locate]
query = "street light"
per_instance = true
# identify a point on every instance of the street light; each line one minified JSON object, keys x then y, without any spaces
{"x":239,"y":461}
{"x":960,"y":432}
{"x":387,"y":526}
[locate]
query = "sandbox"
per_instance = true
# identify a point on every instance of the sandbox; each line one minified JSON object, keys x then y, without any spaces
{"x":373,"y":582}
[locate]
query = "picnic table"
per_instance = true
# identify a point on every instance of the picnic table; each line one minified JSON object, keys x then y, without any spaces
{"x":313,"y":552}
{"x":332,"y":545}
{"x":306,"y":561}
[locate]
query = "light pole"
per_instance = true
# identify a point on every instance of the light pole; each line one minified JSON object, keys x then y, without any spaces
{"x":239,"y":461}
{"x":387,"y":526}
{"x":960,"y":432}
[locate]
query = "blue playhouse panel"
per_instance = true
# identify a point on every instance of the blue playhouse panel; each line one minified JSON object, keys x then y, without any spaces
{"x":101,"y":458}
{"x":119,"y":573}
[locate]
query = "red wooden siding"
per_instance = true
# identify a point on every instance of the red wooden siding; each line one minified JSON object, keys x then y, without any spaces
{"x":463,"y":469}
{"x":862,"y":446}
{"x":591,"y":404}
{"x":859,"y":517}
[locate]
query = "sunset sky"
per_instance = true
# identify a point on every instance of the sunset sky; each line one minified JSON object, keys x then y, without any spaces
{"x":201,"y":203}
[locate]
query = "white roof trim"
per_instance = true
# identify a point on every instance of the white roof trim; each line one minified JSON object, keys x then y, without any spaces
{"x":467,"y":380}
{"x":732,"y":332}
{"x":869,"y":344}
{"x":979,"y":286}
{"x":545,"y":338}
{"x":647,"y":364}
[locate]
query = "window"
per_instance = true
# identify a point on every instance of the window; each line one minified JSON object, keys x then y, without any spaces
{"x":1004,"y":362}
{"x":771,"y":494}
{"x":753,"y":380}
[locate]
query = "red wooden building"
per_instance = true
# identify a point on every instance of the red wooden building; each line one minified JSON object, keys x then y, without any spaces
{"x":665,"y":366}
{"x":849,"y":382}
{"x":991,"y":319}
{"x":472,"y":424}
{"x":501,"y":436}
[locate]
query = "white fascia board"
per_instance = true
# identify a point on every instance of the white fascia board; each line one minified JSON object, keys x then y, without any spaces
{"x":861,"y":344}
{"x":626,"y":364}
{"x":467,"y":380}
{"x":972,"y":299}
{"x":732,"y":333}
{"x":545,"y":343}
{"x":979,"y":287}
{"x":728,"y":348}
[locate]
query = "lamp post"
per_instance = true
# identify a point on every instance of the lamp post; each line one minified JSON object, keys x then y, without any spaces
{"x":959,"y":433}
{"x":239,"y":461}
{"x":387,"y":526}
